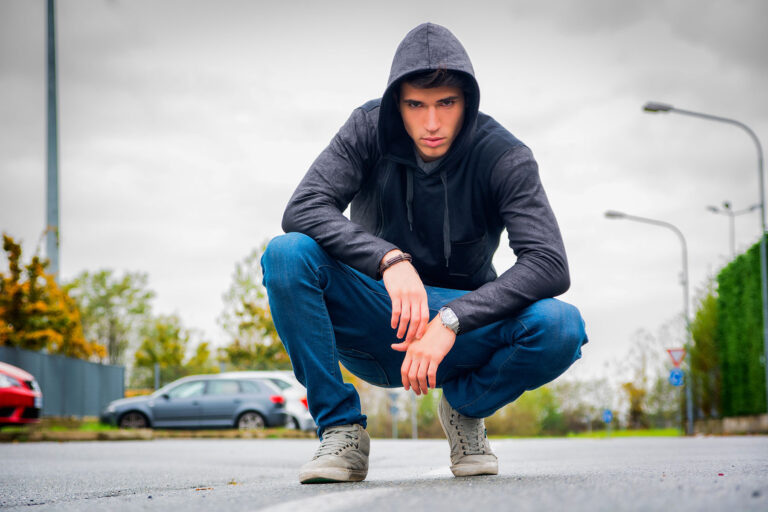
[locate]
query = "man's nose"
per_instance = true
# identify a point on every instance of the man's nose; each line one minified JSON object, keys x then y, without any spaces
{"x":433,"y":121}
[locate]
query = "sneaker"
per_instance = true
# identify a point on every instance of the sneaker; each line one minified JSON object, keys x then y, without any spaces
{"x":470,"y":452}
{"x":341,"y":457}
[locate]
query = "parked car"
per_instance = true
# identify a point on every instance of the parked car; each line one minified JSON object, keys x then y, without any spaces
{"x":202,"y":401}
{"x":21,"y":399}
{"x":296,"y":406}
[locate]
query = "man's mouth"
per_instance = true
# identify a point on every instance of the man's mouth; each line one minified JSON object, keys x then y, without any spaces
{"x":433,"y":142}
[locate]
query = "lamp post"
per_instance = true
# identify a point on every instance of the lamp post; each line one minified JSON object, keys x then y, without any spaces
{"x":611,"y":214}
{"x":663,"y":107}
{"x":52,"y":239}
{"x":728,"y":210}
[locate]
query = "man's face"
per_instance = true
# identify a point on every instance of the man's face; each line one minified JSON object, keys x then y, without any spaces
{"x":432,"y":118}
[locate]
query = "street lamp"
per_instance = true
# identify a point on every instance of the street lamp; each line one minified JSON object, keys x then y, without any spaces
{"x":728,"y":210}
{"x":612,"y":214}
{"x":663,"y":107}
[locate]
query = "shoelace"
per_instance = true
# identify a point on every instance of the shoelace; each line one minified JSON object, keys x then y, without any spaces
{"x":471,"y":433}
{"x":336,"y":440}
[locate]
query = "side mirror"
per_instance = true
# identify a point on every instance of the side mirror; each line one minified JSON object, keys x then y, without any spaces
{"x":165,"y":395}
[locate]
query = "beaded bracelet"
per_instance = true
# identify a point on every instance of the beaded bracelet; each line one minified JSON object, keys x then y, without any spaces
{"x":392,"y":261}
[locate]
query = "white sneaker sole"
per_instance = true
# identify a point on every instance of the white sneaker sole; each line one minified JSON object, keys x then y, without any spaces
{"x":331,"y":475}
{"x":487,"y":468}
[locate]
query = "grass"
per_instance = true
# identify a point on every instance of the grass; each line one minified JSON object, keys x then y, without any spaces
{"x":88,"y":426}
{"x":652,"y":432}
{"x":71,"y":426}
{"x":601,"y":434}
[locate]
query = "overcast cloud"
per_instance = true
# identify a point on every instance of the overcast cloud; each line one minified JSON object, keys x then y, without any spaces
{"x":185,"y":126}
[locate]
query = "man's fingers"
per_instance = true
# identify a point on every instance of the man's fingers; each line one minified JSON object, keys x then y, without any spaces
{"x":422,"y":377}
{"x":404,"y":371}
{"x":424,"y":312}
{"x":395,"y":312}
{"x":400,"y":347}
{"x":405,"y":317}
{"x":432,"y":375}
{"x":413,"y":377}
{"x":416,"y":324}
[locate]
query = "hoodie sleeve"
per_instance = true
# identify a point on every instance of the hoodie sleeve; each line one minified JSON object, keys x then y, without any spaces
{"x":541,"y":269}
{"x":333,"y":180}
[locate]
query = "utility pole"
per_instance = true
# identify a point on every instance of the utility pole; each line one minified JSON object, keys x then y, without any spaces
{"x":52,"y":182}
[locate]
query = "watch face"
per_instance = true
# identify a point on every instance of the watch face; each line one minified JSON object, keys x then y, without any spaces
{"x":449,"y":319}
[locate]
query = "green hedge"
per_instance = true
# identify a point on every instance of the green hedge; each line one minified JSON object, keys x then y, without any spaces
{"x":740,"y":335}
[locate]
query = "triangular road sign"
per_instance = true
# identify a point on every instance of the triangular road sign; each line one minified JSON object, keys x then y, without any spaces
{"x":677,"y":355}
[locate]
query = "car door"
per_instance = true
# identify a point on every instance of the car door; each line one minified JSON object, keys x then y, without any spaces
{"x":220,"y":403}
{"x":179,"y":406}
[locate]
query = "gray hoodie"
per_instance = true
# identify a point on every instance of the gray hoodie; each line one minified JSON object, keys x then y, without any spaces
{"x":449,"y":219}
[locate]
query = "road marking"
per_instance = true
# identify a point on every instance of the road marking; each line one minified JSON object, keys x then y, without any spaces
{"x":330,"y":501}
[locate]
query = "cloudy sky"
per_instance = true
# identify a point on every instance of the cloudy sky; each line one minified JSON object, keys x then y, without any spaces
{"x":185,"y":126}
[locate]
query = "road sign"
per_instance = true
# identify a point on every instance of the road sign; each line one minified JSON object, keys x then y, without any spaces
{"x":676,"y":377}
{"x":677,"y":355}
{"x":607,"y":416}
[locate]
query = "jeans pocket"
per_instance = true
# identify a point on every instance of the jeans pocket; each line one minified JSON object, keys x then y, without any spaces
{"x":364,"y":366}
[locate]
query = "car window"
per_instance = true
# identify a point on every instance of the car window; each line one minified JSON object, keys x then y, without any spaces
{"x":280,"y":383}
{"x":188,"y":389}
{"x":223,"y":387}
{"x":250,"y":386}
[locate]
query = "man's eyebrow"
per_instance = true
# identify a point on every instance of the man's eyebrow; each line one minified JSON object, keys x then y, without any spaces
{"x":447,"y":98}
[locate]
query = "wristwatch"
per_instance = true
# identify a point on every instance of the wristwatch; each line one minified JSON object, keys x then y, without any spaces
{"x":449,"y":319}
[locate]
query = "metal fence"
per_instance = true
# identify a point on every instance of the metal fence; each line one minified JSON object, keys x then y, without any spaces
{"x":71,"y":387}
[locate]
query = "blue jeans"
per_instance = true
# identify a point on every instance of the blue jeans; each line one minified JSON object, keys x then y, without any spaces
{"x":326,"y":312}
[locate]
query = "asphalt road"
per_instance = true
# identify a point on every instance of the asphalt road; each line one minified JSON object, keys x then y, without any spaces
{"x":729,"y":473}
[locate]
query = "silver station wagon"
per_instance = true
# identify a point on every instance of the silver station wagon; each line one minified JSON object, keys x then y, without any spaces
{"x":202,"y":401}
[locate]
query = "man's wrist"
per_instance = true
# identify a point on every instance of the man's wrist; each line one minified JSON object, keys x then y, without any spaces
{"x":449,"y":319}
{"x":390,"y":260}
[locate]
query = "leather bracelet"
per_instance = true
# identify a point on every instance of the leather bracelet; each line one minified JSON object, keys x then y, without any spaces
{"x":394,"y":260}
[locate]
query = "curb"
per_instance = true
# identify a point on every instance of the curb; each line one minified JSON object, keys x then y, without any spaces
{"x":145,"y":434}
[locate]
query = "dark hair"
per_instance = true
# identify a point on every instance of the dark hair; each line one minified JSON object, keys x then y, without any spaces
{"x":440,"y":77}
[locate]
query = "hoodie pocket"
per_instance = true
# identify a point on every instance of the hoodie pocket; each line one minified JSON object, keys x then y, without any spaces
{"x":467,"y":258}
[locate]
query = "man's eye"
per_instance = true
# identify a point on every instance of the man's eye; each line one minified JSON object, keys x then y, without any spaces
{"x":413,"y":104}
{"x":448,"y":103}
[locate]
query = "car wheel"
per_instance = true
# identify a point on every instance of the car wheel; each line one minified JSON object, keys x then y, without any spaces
{"x":251,"y":420}
{"x":133,"y":419}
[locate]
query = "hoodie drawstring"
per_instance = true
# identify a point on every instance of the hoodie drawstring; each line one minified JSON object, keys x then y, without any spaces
{"x":409,"y":195}
{"x":446,"y":221}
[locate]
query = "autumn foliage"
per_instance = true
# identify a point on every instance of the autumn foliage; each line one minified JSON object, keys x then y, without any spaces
{"x":35,"y":313}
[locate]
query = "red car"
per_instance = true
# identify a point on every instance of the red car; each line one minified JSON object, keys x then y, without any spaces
{"x":20,"y":397}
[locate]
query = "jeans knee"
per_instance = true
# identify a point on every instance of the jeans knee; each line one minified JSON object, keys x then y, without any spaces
{"x":284,"y":254}
{"x":561,"y":329}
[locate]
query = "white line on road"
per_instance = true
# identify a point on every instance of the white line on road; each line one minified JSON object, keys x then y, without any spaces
{"x":330,"y":501}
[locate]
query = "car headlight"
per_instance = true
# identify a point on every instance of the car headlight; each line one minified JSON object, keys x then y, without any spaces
{"x":111,"y":408}
{"x":6,"y":381}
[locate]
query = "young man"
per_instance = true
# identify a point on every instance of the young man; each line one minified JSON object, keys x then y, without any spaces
{"x":405,"y":293}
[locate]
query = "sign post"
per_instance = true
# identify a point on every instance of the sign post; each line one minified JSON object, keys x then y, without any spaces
{"x":607,"y":418}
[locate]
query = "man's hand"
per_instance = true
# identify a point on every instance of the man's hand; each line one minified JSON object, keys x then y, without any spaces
{"x":410,"y":309}
{"x":423,"y":356}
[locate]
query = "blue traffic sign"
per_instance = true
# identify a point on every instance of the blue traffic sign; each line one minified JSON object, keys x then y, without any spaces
{"x":607,"y":416}
{"x":676,"y":377}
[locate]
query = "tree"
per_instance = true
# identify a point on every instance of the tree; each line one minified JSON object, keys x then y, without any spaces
{"x":113,"y":309}
{"x":705,"y":364}
{"x":36,"y":314}
{"x":165,"y":342}
{"x":740,"y":335}
{"x":246,"y":318}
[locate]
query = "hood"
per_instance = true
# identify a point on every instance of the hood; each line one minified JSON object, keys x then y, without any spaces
{"x":425,"y":48}
{"x":15,"y":372}
{"x":122,"y":402}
